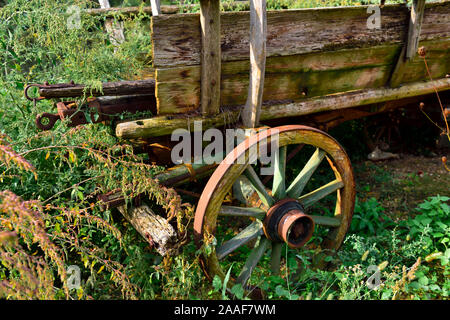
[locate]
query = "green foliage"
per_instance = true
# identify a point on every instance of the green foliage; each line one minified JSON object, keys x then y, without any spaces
{"x":412,"y":257}
{"x":435,"y":218}
{"x":62,"y":171}
{"x":368,"y":217}
{"x":50,"y":217}
{"x":222,"y":287}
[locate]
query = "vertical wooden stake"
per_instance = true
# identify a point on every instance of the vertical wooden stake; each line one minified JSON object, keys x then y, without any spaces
{"x":415,"y":25}
{"x":258,"y":33}
{"x":211,"y":56}
{"x":412,"y":42}
{"x":156,"y":7}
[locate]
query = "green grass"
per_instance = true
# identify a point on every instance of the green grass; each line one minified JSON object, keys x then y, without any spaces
{"x":63,"y":170}
{"x":412,"y":257}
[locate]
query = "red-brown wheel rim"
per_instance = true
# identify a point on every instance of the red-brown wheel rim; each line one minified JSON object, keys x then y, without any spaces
{"x":219,"y":184}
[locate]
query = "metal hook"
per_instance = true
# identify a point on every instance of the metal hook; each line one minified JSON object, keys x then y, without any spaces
{"x":25,"y":91}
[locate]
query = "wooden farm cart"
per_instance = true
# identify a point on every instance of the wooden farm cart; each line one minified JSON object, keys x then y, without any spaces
{"x":275,"y":72}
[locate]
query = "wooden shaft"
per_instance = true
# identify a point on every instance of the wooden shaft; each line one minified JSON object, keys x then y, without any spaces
{"x":109,"y":89}
{"x":211,"y":56}
{"x":258,"y":34}
{"x":415,"y":25}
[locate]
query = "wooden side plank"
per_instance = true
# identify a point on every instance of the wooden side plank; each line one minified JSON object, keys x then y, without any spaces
{"x":258,"y":34}
{"x":164,"y":125}
{"x":210,"y":69}
{"x":177,"y":38}
{"x":300,"y":77}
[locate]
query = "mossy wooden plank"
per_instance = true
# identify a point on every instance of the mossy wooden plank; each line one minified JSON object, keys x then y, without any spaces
{"x":292,"y":77}
{"x":411,"y":70}
{"x":301,"y":76}
{"x":164,"y":125}
{"x":177,"y":38}
{"x":438,"y":60}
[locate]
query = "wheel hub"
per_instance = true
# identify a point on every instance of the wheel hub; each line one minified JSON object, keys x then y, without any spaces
{"x":286,"y":222}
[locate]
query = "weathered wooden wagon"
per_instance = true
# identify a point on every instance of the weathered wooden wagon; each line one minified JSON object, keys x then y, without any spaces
{"x":312,"y":66}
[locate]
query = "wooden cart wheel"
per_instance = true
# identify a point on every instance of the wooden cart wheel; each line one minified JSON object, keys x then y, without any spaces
{"x":282,"y":216}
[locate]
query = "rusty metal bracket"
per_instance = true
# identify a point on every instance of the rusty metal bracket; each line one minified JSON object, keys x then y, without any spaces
{"x":95,"y":110}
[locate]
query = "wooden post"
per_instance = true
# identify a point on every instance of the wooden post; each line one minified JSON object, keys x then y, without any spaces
{"x":412,"y":42}
{"x":258,"y":33}
{"x":156,"y":7}
{"x":415,"y":24}
{"x":211,"y":56}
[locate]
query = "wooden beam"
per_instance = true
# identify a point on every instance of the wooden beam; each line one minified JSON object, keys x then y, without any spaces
{"x":415,"y":26}
{"x":165,"y":9}
{"x":258,"y":33}
{"x":409,"y":50}
{"x":164,"y":125}
{"x":118,"y":88}
{"x":210,"y":56}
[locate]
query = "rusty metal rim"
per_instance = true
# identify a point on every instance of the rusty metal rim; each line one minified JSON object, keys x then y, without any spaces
{"x":286,"y":224}
{"x":269,"y":215}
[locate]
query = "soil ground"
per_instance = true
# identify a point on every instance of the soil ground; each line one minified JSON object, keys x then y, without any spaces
{"x":401,"y":184}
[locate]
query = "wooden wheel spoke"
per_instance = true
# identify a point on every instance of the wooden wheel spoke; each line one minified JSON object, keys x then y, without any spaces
{"x":327,"y":221}
{"x":276,"y":257}
{"x":252,"y":260}
{"x":320,"y":193}
{"x":243,"y":189}
{"x":258,"y":195}
{"x":242,"y":212}
{"x":251,"y":232}
{"x":258,"y":186}
{"x":299,"y":183}
{"x":278,"y":187}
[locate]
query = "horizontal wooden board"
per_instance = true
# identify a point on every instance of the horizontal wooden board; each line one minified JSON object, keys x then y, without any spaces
{"x":301,"y":76}
{"x":177,"y":42}
{"x":164,"y":125}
